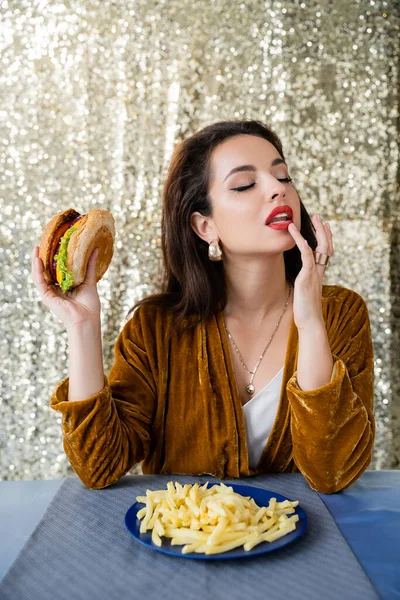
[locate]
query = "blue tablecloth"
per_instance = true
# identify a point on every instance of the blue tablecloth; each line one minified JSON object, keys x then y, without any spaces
{"x":368,"y":515}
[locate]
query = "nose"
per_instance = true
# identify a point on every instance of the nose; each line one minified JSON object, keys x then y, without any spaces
{"x":278,"y":191}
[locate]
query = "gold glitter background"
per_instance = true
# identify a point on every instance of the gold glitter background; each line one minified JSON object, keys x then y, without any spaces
{"x":93,"y":97}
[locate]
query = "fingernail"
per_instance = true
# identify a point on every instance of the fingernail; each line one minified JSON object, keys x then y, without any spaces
{"x":293,"y":225}
{"x":318,"y":218}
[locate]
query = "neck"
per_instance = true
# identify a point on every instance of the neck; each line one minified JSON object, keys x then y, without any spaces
{"x":255,"y":289}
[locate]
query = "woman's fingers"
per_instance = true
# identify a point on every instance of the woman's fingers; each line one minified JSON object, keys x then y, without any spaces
{"x":45,"y":290}
{"x":72,"y":307}
{"x":307,"y":255}
{"x":37,"y":272}
{"x":322,"y":234}
{"x":324,"y":239}
{"x":91,"y":268}
{"x":328,"y":233}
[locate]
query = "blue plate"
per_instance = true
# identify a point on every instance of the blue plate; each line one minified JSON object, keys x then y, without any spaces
{"x":261,"y":497}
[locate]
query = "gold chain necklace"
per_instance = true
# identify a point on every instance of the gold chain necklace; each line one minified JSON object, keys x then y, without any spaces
{"x":250,"y":387}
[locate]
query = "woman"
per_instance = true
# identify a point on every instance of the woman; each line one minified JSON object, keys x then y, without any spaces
{"x":245,"y":363}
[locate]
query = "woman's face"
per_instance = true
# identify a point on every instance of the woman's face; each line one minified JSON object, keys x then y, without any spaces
{"x":250,"y":179}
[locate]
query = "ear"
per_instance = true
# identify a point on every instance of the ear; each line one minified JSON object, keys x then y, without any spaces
{"x":202,"y":226}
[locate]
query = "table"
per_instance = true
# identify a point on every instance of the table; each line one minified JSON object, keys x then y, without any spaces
{"x":367,"y":513}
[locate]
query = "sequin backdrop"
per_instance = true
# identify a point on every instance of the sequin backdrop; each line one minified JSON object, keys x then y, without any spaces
{"x":93,"y":97}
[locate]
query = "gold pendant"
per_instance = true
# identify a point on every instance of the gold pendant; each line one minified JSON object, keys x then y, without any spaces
{"x":250,"y":389}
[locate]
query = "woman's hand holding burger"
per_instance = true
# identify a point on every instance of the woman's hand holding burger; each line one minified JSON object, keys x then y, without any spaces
{"x":74,"y":253}
{"x":79,"y":305}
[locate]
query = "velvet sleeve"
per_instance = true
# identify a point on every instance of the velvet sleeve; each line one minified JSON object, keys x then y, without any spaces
{"x":106,"y":434}
{"x":333,"y":427}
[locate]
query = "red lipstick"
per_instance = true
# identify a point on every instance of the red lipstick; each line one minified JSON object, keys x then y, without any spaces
{"x":286,"y":217}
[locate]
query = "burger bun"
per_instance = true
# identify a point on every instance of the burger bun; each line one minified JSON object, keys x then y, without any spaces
{"x":96,"y":230}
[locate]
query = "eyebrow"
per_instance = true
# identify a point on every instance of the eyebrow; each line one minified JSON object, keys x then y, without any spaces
{"x":276,"y":161}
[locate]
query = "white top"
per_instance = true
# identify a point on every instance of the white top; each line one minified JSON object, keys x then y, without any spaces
{"x":260,"y":413}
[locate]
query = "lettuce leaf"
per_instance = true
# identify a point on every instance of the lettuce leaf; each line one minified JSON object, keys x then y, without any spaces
{"x":67,"y":280}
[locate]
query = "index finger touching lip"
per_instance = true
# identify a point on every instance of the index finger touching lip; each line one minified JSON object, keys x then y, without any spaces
{"x":293,"y":229}
{"x":301,"y":242}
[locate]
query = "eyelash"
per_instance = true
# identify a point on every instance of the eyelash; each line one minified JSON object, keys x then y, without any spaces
{"x":247,"y":187}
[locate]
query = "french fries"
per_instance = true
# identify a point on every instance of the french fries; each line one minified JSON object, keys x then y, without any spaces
{"x":211,"y":520}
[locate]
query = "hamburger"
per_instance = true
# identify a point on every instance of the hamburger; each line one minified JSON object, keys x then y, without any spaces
{"x":68,"y":242}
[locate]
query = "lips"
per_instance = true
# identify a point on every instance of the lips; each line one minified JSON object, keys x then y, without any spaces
{"x":284,"y":208}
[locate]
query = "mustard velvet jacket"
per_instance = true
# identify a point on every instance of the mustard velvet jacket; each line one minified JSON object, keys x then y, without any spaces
{"x":171,"y":401}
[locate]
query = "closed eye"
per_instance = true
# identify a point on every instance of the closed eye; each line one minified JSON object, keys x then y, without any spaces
{"x":243,"y":188}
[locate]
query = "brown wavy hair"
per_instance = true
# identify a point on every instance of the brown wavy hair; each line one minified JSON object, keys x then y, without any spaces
{"x":192,"y":284}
